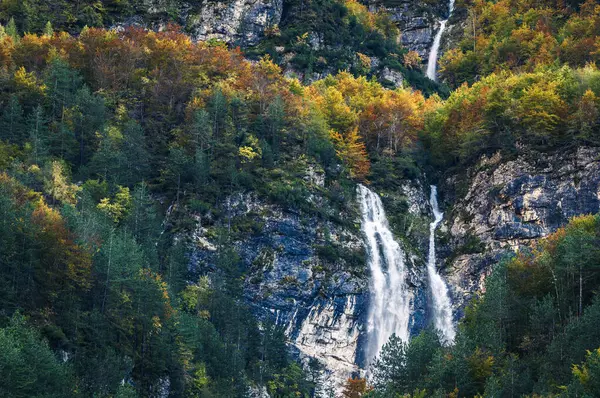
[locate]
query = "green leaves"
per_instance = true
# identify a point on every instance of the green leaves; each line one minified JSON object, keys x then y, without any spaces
{"x":27,"y":365}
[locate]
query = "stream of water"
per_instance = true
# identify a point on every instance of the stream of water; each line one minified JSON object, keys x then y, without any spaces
{"x":442,"y":306}
{"x":435,"y":48}
{"x":389,"y":309}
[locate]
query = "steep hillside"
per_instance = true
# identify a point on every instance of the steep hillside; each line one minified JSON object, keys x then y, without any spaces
{"x":270,"y":199}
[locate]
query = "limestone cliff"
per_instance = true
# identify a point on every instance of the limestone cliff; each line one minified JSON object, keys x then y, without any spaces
{"x":308,"y":273}
{"x":509,"y":203}
{"x":238,"y":22}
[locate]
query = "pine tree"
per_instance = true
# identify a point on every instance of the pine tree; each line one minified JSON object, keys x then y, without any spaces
{"x":275,"y":123}
{"x":38,"y":135}
{"x":11,"y":30}
{"x":12,"y":122}
{"x":48,"y":31}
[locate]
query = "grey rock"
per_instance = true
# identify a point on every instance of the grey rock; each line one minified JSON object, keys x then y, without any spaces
{"x":511,"y":203}
{"x":392,"y":76}
{"x":239,"y":22}
{"x":417,"y":22}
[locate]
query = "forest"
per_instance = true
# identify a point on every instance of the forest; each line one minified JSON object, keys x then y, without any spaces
{"x":110,"y":138}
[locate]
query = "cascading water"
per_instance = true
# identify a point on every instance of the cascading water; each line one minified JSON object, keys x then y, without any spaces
{"x":433,"y":53}
{"x":389,"y":309}
{"x":442,"y":308}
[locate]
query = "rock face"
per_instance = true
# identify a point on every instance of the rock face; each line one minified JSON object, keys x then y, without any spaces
{"x":238,"y":22}
{"x":310,"y":276}
{"x":417,"y":21}
{"x":306,"y":275}
{"x":241,"y":22}
{"x":392,"y":76}
{"x":511,"y":203}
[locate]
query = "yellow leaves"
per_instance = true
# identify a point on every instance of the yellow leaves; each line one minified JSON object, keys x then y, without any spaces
{"x":117,"y":208}
{"x":302,"y":39}
{"x":269,"y":68}
{"x":541,"y":107}
{"x":586,"y":372}
{"x":56,"y":184}
{"x":480,"y":365}
{"x":387,"y":119}
{"x":380,"y":21}
{"x":295,"y":86}
{"x":365,"y":61}
{"x":200,"y":379}
{"x":339,"y":115}
{"x":582,"y":372}
{"x":194,"y":298}
{"x":584,"y":223}
{"x":412,"y":60}
{"x":361,"y":13}
{"x":353,"y":153}
{"x":251,"y":150}
{"x":588,"y":113}
{"x":247,"y":154}
{"x":28,"y":81}
{"x":156,"y":323}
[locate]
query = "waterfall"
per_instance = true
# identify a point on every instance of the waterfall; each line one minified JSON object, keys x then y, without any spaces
{"x":433,"y":53}
{"x":389,"y":308}
{"x":442,"y":308}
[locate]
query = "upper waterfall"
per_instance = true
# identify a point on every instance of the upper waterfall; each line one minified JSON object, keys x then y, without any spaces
{"x":442,"y":308}
{"x":433,"y":53}
{"x":389,"y":309}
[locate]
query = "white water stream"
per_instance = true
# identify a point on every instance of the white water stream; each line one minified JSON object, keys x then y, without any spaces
{"x":389,"y":309}
{"x":435,"y":48}
{"x":442,"y":306}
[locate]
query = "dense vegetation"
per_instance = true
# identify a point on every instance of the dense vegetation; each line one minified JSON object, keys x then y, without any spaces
{"x":150,"y":126}
{"x":521,"y":36}
{"x":534,"y":332}
{"x":110,"y":141}
{"x":316,"y":38}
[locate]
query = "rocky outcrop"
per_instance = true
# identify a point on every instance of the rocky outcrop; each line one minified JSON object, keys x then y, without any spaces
{"x":417,"y":21}
{"x":310,"y":275}
{"x":394,"y":77}
{"x":302,"y":273}
{"x":510,"y":203}
{"x":238,"y":22}
{"x":241,"y":22}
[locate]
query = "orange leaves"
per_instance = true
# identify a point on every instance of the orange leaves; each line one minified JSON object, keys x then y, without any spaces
{"x":387,"y":119}
{"x":521,"y":35}
{"x":68,"y":265}
{"x":355,"y":388}
{"x":6,"y":51}
{"x":63,"y":265}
